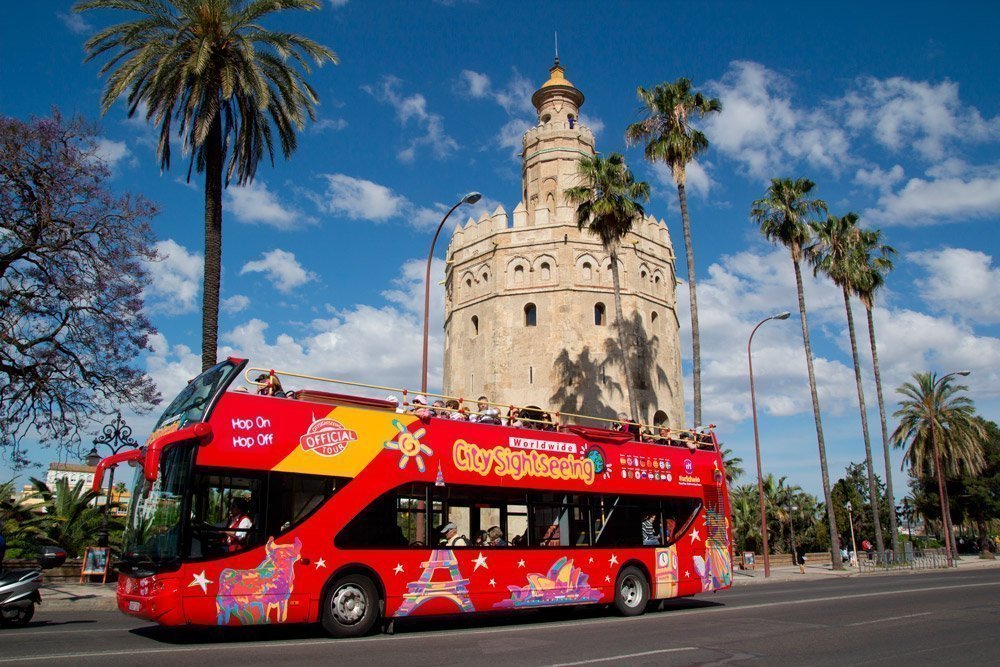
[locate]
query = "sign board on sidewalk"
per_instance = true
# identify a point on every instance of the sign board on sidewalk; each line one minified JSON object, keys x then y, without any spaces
{"x":96,"y":563}
{"x":749,"y":560}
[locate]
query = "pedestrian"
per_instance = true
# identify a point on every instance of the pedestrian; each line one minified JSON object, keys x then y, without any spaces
{"x":869,"y":549}
{"x":800,"y":558}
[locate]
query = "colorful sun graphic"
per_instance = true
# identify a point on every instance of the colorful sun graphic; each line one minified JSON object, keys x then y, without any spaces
{"x":409,"y":446}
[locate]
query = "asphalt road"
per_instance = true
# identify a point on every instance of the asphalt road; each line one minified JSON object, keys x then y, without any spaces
{"x":919,"y":619}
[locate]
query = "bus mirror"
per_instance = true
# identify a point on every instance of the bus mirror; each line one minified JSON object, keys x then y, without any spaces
{"x":130,"y":455}
{"x":200,"y":432}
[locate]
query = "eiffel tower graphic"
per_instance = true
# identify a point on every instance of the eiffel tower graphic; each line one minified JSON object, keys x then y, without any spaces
{"x":425,"y":589}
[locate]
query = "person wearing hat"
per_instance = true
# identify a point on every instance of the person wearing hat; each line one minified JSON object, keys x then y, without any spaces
{"x":420,"y":407}
{"x":269,"y":385}
{"x":451,"y":538}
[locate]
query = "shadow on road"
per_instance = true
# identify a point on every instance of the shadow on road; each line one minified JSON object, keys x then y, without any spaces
{"x":266,"y":633}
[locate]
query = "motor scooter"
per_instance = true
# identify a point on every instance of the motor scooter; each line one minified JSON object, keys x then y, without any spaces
{"x":19,"y":588}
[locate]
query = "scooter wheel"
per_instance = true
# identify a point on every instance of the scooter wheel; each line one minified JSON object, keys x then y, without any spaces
{"x":16,"y":616}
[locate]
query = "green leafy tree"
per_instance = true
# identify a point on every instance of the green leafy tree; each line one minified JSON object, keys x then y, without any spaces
{"x":672,"y":139}
{"x":74,"y":519}
{"x":22,"y":528}
{"x":980,"y":498}
{"x":938,"y":430}
{"x":837,"y":254}
{"x":876,"y":261}
{"x":609,"y":202}
{"x":745,"y":506}
{"x":854,"y":487}
{"x":782,"y":216}
{"x":229,"y":84}
{"x":733,"y":465}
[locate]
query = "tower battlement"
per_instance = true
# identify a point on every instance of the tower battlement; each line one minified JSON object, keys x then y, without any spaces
{"x":529,"y":301}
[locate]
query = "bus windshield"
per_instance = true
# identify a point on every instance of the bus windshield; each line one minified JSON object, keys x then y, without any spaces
{"x":191,"y":404}
{"x":152,"y":536}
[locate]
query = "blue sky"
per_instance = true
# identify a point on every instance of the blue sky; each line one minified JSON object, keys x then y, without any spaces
{"x":892,"y":108}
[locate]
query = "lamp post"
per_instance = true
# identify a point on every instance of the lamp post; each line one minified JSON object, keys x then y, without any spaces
{"x":116,"y":436}
{"x":791,"y":527}
{"x":470,"y":198}
{"x":756,"y":442}
{"x":942,"y":491}
{"x":854,"y":546}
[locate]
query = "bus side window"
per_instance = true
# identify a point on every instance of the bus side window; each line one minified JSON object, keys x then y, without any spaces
{"x":291,"y":497}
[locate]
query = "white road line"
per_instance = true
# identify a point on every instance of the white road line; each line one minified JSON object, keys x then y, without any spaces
{"x":889,"y":618}
{"x":517,"y":628}
{"x":612,"y":658}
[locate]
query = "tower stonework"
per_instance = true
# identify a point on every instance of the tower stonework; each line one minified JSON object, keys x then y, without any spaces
{"x":529,"y":304}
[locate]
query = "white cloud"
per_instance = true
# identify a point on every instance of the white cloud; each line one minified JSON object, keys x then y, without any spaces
{"x":476,"y":84}
{"x":414,"y":107}
{"x":883,"y":181}
{"x":255,"y":204}
{"x":331,"y":124}
{"x":511,"y":134}
{"x":175,"y":279}
{"x":235,"y":304}
{"x":75,"y":22}
{"x":111,"y":152}
{"x":338,"y":3}
{"x":961,"y":282}
{"x":515,"y":99}
{"x":358,"y":198}
{"x":760,"y":128}
{"x":697,"y":181}
{"x":901,"y":113}
{"x":950,"y":199}
{"x":281,"y":269}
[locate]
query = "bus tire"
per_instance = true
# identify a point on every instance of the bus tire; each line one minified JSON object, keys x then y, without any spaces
{"x":351,"y":606}
{"x":631,"y":592}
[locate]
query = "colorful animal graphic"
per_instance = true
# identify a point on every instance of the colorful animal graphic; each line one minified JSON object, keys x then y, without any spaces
{"x":426,"y":589}
{"x":250,"y":595}
{"x":666,"y":572}
{"x":564,"y":584}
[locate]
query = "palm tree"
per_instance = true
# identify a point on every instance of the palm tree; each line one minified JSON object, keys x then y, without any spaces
{"x":609,"y":202}
{"x":938,"y":432}
{"x":670,"y":138}
{"x":733,"y":465}
{"x":836,"y":254}
{"x":74,"y":519}
{"x":876,"y":262}
{"x":211,"y":68}
{"x":781,"y":216}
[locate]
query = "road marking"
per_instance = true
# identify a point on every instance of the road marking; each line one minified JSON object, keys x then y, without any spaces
{"x":437,"y":634}
{"x":25,"y":633}
{"x":889,"y":618}
{"x":612,"y":658}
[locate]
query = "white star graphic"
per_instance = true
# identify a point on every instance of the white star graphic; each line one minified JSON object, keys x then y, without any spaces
{"x":398,"y":569}
{"x":480,"y":562}
{"x":695,"y":535}
{"x":320,"y":563}
{"x":493,"y":583}
{"x":590,"y":560}
{"x":613,"y":560}
{"x":201,"y":580}
{"x":520,"y":563}
{"x":607,"y":579}
{"x":687,"y":574}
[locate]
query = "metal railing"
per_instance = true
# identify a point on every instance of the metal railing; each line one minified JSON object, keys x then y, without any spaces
{"x":929,"y":559}
{"x":697,"y":438}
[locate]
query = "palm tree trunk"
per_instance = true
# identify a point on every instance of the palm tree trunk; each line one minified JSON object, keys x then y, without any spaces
{"x":948,"y":523}
{"x":213,"y":244}
{"x":620,"y":326}
{"x":828,"y":497}
{"x":695,"y":337}
{"x":893,"y":525}
{"x":873,"y":497}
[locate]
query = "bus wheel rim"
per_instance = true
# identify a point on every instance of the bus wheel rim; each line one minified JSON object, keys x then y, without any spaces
{"x":349,"y":604}
{"x":630,"y":590}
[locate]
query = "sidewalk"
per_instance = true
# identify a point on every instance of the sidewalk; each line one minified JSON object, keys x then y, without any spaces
{"x":70,"y":596}
{"x":825,"y":571}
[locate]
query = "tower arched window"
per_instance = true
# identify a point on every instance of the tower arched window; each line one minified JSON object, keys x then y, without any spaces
{"x":475,"y":325}
{"x":486,"y":277}
{"x":656,"y":325}
{"x":588,"y":272}
{"x":518,"y":275}
{"x":656,"y":282}
{"x":468,"y":283}
{"x":661,"y":419}
{"x":546,"y":271}
{"x":600,"y":315}
{"x":530,"y":315}
{"x":642,"y":274}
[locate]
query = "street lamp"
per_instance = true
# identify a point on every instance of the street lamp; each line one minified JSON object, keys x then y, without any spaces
{"x":756,"y":442}
{"x":470,"y":198}
{"x":942,"y":491}
{"x":791,"y":526}
{"x":116,"y":436}
{"x":854,"y":546}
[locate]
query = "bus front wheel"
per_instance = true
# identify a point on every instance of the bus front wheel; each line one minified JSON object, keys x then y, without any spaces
{"x":631,"y":592}
{"x":351,"y":606}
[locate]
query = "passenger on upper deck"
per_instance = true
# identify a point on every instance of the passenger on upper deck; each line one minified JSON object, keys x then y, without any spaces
{"x":626,"y":425}
{"x":419,"y":407}
{"x":271,"y":385}
{"x":456,"y":413}
{"x":485,"y":414}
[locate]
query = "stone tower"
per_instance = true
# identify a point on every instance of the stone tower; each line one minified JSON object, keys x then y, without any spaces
{"x":529,"y":306}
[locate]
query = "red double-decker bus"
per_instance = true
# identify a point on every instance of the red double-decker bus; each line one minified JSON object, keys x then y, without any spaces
{"x":324,"y":507}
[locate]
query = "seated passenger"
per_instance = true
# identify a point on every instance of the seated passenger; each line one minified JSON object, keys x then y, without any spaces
{"x":514,"y":419}
{"x":496,"y":537}
{"x":456,"y":413}
{"x":269,"y":385}
{"x":650,"y":535}
{"x":451,"y":538}
{"x":438,"y":409}
{"x":626,"y":425}
{"x":419,"y":407}
{"x":482,"y":539}
{"x":484,"y":413}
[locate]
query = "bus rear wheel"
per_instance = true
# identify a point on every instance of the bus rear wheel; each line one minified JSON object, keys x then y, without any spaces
{"x":351,"y":606}
{"x":631,"y":592}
